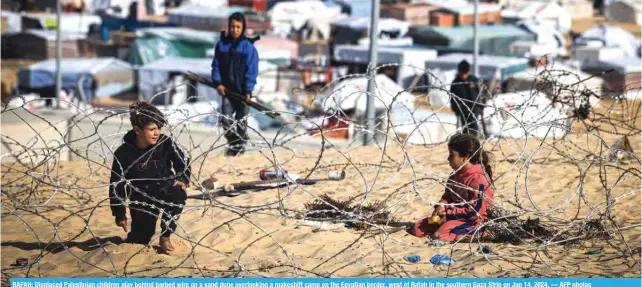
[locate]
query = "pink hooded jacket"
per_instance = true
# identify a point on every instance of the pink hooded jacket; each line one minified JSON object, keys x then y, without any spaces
{"x":463,"y":189}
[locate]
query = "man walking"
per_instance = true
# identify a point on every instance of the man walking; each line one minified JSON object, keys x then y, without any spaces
{"x":234,"y":71}
{"x":465,"y":101}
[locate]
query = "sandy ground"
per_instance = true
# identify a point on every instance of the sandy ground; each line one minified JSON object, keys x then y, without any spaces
{"x":69,"y":231}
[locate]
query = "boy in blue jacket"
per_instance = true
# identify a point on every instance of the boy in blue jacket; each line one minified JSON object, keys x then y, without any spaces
{"x":234,"y":71}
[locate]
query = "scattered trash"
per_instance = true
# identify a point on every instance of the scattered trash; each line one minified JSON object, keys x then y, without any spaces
{"x":441,"y":259}
{"x":412,"y":258}
{"x":593,"y":252}
{"x":486,"y":249}
{"x":21,"y":262}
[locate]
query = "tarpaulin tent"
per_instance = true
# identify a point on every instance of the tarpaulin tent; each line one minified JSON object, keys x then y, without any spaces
{"x":629,"y":11}
{"x":609,"y":36}
{"x":209,"y":18}
{"x":351,"y":30}
{"x":493,"y":39}
{"x":549,"y":12}
{"x":540,"y":78}
{"x":13,"y":22}
{"x":411,"y":60}
{"x":351,"y":94}
{"x":354,"y":8}
{"x":524,"y":114}
{"x":154,"y":77}
{"x":101,"y":77}
{"x":422,"y":126}
{"x":488,"y":65}
{"x":156,"y":43}
{"x":288,"y":17}
{"x":544,"y":37}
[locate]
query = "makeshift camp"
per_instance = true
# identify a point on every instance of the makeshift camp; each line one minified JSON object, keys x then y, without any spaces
{"x":318,"y":28}
{"x":288,"y":17}
{"x":351,"y":94}
{"x":268,"y":44}
{"x":524,"y":114}
{"x":97,"y":77}
{"x":415,"y":14}
{"x":157,"y":76}
{"x":597,"y":53}
{"x":629,"y":11}
{"x":609,"y":36}
{"x":579,"y":9}
{"x":422,"y":126}
{"x":41,"y":44}
{"x":354,"y":8}
{"x":215,"y":19}
{"x":626,"y":74}
{"x":549,"y":12}
{"x":462,"y":14}
{"x":408,"y":61}
{"x":493,"y":39}
{"x":555,"y":79}
{"x":548,"y":42}
{"x":351,"y":30}
{"x":70,"y":22}
{"x":488,"y":65}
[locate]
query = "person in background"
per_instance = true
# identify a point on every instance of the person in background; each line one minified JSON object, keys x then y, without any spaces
{"x":465,"y":98}
{"x":152,"y":171}
{"x":468,"y":195}
{"x":234,"y":71}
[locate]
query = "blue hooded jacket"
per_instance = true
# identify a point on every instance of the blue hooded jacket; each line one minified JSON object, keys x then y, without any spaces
{"x":236,"y":62}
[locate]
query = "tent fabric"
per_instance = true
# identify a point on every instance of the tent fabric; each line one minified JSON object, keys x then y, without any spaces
{"x":549,"y":12}
{"x":153,"y":77}
{"x":488,"y":65}
{"x":351,"y":30}
{"x":609,"y":36}
{"x":352,"y":93}
{"x":422,"y":126}
{"x":493,"y":39}
{"x":147,"y":50}
{"x":627,"y":11}
{"x":288,"y":17}
{"x":112,"y":76}
{"x":321,"y":26}
{"x":358,"y":8}
{"x":622,"y":66}
{"x":179,"y":34}
{"x":524,"y":114}
{"x":411,"y":60}
{"x":50,"y":35}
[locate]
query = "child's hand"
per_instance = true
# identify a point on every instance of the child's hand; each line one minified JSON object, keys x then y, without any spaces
{"x":221,"y":90}
{"x":123,"y":224}
{"x":181,"y":184}
{"x":440,"y":211}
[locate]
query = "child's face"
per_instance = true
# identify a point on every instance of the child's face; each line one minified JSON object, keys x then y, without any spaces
{"x":148,"y":135}
{"x":455,"y":160}
{"x":236,"y":29}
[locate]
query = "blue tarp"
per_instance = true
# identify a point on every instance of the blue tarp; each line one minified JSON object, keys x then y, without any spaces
{"x":101,"y":77}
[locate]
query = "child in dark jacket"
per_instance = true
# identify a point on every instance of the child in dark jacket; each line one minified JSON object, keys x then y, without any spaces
{"x":468,"y":194}
{"x":234,"y":71}
{"x":142,"y":172}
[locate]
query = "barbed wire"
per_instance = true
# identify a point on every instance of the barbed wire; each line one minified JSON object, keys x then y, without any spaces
{"x":567,"y":181}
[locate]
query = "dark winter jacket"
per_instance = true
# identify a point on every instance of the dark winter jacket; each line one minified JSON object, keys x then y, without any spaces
{"x":466,"y":92}
{"x":236,"y":63}
{"x":148,"y":170}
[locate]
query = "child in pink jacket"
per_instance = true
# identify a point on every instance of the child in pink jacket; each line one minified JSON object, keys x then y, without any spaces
{"x":468,"y":193}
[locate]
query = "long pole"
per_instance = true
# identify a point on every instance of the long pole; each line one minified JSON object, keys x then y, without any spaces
{"x":476,"y":38}
{"x":368,"y":137}
{"x":58,"y":52}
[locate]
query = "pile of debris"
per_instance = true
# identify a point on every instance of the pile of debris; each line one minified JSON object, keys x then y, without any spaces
{"x":355,"y":216}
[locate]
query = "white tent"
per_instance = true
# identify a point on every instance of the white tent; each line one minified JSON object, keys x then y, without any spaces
{"x":411,"y":60}
{"x":14,"y":21}
{"x":352,"y":93}
{"x":387,"y":25}
{"x":421,"y":126}
{"x":629,"y":11}
{"x":320,"y":26}
{"x":609,"y":36}
{"x":549,"y":12}
{"x":547,"y":41}
{"x":524,"y":114}
{"x":287,"y":17}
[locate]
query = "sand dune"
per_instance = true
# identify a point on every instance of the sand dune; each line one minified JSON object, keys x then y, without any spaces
{"x":69,"y":231}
